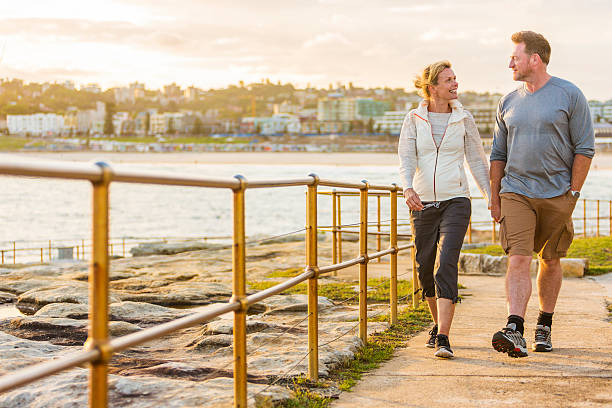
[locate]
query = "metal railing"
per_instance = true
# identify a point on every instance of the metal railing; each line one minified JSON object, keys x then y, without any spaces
{"x":99,"y":348}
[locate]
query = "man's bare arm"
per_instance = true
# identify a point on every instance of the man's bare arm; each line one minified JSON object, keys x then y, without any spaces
{"x":496,"y":174}
{"x":580,"y":169}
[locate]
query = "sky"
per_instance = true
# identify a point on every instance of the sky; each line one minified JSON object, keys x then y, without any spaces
{"x":214,"y":43}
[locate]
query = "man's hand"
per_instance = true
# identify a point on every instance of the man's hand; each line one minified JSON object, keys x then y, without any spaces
{"x":496,"y":211}
{"x":412,"y":200}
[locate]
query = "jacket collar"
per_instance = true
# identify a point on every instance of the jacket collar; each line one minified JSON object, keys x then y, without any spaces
{"x":458,"y":114}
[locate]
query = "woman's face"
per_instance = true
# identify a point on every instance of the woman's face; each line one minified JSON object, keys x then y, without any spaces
{"x":447,"y":85}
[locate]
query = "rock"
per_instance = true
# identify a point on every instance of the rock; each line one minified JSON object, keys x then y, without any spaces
{"x":571,"y":267}
{"x":498,"y":265}
{"x":470,"y":264}
{"x":292,"y":303}
{"x":60,"y":331}
{"x":142,"y":314}
{"x":494,"y":265}
{"x":181,"y":294}
{"x":77,"y":311}
{"x":19,"y":286}
{"x":7,"y":297}
{"x":164,"y":248}
{"x":212,"y":343}
{"x":69,"y":390}
{"x":16,"y":353}
{"x":70,"y":292}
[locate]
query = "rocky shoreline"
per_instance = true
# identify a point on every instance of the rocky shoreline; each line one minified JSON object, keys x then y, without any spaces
{"x":192,"y":367}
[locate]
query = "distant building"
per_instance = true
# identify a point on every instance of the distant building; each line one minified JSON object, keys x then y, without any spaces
{"x":336,"y":109}
{"x":168,"y":122}
{"x":596,"y":110}
{"x":391,"y":122}
{"x":369,"y":108}
{"x":484,"y":116}
{"x":93,"y":88}
{"x":280,"y":123}
{"x":606,"y":111}
{"x":192,"y":93}
{"x":120,"y":122}
{"x":285,"y":107}
{"x":123,"y":95}
{"x":38,"y":124}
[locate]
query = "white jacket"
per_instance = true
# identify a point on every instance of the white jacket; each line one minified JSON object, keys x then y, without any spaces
{"x":439,"y":172}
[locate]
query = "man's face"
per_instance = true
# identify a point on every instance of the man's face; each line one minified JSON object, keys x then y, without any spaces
{"x":520,"y":63}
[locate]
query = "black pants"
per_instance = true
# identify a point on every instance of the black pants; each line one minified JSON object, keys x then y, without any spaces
{"x":438,"y":237}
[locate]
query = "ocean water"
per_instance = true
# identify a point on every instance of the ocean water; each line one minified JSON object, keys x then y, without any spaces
{"x":34,"y":211}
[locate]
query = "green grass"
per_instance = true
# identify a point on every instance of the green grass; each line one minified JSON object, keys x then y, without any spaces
{"x":379,"y":288}
{"x":12,"y":143}
{"x":597,"y":250}
{"x":380,"y":348}
{"x":285,"y":273}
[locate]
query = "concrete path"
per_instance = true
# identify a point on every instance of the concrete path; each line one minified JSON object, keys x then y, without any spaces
{"x":578,"y":373}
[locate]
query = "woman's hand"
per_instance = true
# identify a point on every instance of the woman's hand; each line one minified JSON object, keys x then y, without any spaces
{"x":412,"y":200}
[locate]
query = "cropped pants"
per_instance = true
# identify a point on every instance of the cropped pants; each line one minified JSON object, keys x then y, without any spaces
{"x":438,"y":237}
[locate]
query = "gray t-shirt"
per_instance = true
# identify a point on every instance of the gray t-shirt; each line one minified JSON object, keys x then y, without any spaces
{"x":537,"y":135}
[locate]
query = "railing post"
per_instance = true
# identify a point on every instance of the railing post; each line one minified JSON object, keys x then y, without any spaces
{"x":393,"y":261}
{"x":363,"y":266}
{"x":493,"y":232}
{"x":378,"y":227}
{"x":597,"y":219}
{"x":2,"y":257}
{"x":415,"y":275}
{"x":584,"y":231}
{"x":14,"y":252}
{"x":98,"y":292}
{"x":470,"y":231}
{"x":50,"y":256}
{"x":340,"y":229}
{"x":123,"y":242}
{"x":239,"y":295}
{"x":41,"y":255}
{"x":313,"y":292}
{"x":334,"y":232}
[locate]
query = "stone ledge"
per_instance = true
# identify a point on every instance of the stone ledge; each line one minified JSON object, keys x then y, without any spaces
{"x":483,"y":264}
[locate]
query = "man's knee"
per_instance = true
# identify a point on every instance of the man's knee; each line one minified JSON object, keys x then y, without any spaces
{"x":550,"y":264}
{"x":519,"y":264}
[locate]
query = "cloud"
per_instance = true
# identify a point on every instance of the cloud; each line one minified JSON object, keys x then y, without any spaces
{"x":326,"y":39}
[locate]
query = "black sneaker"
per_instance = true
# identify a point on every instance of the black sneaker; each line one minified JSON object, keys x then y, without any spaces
{"x":431,"y":343}
{"x":542,"y":339}
{"x":443,"y":347}
{"x":509,"y":340}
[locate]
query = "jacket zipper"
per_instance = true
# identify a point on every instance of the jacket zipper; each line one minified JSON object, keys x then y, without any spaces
{"x":437,"y":153}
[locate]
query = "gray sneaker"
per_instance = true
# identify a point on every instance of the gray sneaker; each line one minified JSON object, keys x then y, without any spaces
{"x":542,"y":339}
{"x":509,"y":340}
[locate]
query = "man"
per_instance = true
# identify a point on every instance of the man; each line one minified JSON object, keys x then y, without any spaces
{"x":542,"y":150}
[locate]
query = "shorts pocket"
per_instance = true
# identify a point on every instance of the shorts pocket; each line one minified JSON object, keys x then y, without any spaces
{"x":503,"y":239}
{"x":565,"y":239}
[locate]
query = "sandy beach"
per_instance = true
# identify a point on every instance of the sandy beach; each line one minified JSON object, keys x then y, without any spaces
{"x":601,"y":161}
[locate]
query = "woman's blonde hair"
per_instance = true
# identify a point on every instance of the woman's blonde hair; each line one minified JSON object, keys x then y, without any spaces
{"x":430,"y":77}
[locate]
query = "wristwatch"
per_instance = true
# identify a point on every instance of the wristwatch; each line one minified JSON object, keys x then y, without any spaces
{"x":575,"y":194}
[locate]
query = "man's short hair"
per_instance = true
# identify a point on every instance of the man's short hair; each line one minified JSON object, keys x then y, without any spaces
{"x":534,"y":44}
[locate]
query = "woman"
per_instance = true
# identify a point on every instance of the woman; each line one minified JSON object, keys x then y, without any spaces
{"x":435,"y":138}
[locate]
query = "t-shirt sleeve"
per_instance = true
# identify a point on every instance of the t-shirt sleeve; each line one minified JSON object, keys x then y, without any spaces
{"x":500,"y":136}
{"x":581,"y":126}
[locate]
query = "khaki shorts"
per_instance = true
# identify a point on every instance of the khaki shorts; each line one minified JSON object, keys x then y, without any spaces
{"x":541,"y":225}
